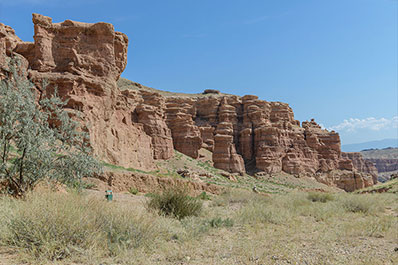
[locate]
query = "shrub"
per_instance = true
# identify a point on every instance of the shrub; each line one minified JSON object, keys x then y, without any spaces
{"x":320,"y":197}
{"x":133,"y":190}
{"x":362,"y":203}
{"x":39,"y":139}
{"x":175,"y":202}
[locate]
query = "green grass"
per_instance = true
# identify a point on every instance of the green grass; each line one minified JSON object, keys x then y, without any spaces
{"x":390,"y":186}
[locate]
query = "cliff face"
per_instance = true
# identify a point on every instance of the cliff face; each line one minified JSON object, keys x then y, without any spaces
{"x":384,"y":164}
{"x":133,"y":128}
{"x":84,"y":61}
{"x":362,"y":165}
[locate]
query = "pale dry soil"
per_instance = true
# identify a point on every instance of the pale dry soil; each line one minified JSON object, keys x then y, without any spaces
{"x":291,"y":231}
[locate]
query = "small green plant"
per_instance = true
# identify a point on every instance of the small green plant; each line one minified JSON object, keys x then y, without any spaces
{"x":219,"y":222}
{"x":133,"y":190}
{"x":203,"y":196}
{"x":175,"y":202}
{"x":320,"y":197}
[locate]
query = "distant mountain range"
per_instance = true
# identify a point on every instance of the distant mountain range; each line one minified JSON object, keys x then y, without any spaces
{"x":370,"y":145}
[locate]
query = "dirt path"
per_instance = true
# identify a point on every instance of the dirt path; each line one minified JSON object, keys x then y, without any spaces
{"x":7,"y":256}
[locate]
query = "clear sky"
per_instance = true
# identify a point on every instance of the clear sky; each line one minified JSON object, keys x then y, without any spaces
{"x":332,"y":60}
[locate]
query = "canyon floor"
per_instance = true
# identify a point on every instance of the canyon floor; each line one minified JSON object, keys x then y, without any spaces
{"x":281,"y":224}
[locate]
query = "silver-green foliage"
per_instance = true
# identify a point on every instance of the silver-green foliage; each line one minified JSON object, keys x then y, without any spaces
{"x":38,"y":139}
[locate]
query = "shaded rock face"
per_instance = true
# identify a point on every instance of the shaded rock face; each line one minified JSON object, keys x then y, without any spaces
{"x":384,"y":164}
{"x":133,"y":128}
{"x":346,"y":180}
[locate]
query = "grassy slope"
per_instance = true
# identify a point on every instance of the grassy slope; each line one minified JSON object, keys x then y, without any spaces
{"x":390,"y":186}
{"x":277,"y":183}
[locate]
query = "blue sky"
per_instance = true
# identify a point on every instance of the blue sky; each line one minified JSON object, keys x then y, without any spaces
{"x":332,"y":60}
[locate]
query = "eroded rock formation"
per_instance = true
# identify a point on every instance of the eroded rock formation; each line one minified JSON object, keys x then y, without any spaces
{"x":362,"y":165}
{"x":384,"y":164}
{"x":132,"y":128}
{"x":84,"y":61}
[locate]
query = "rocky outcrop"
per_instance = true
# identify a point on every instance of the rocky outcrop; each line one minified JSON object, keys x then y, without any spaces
{"x":346,"y":180}
{"x":133,"y":128}
{"x":246,"y":133}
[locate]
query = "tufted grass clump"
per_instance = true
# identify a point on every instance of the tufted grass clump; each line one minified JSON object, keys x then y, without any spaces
{"x":363,"y":203}
{"x":220,"y":222}
{"x":320,"y":197}
{"x":133,"y":190}
{"x":175,"y":202}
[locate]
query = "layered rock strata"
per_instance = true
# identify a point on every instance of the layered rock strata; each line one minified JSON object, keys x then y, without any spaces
{"x":84,"y":61}
{"x":134,"y":127}
{"x":362,"y":165}
{"x":384,"y":164}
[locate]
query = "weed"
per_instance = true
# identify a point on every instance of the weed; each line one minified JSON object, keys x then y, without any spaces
{"x":133,"y":190}
{"x":203,"y":196}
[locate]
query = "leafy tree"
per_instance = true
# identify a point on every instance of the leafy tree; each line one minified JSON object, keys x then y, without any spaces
{"x":38,"y":139}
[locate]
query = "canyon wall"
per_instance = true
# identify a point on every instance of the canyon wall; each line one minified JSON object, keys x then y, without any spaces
{"x":384,"y":164}
{"x":135,"y":127}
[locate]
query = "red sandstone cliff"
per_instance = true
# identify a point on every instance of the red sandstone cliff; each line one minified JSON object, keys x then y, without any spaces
{"x":132,"y":128}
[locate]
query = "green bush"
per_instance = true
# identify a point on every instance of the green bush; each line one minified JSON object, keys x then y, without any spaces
{"x":320,"y":197}
{"x":133,"y":190}
{"x":175,"y":202}
{"x":39,"y":139}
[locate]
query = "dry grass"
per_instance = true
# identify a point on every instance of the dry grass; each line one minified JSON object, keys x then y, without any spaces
{"x":238,"y":227}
